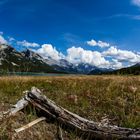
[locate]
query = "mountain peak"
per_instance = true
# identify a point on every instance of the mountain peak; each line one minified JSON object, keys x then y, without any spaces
{"x":138,"y":64}
{"x":5,"y":46}
{"x":28,"y":61}
{"x":31,"y":54}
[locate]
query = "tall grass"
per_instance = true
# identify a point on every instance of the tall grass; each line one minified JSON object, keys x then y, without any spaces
{"x":116,"y":98}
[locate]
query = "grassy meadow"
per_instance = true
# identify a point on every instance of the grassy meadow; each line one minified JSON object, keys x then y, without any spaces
{"x":116,"y":98}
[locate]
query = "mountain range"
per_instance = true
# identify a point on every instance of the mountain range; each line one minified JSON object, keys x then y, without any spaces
{"x":12,"y":60}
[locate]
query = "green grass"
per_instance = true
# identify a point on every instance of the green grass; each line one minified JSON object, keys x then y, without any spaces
{"x":93,"y":97}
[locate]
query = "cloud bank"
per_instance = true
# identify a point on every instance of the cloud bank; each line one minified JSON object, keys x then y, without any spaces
{"x":122,"y":55}
{"x":78,"y":55}
{"x":47,"y":50}
{"x":109,"y":57}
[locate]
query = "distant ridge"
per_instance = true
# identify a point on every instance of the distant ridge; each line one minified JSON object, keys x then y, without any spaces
{"x":27,"y":61}
{"x":12,"y":60}
{"x":133,"y":70}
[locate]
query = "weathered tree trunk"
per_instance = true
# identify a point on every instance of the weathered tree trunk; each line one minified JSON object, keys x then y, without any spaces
{"x":21,"y":104}
{"x":71,"y":121}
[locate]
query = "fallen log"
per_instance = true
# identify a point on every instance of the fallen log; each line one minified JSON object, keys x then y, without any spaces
{"x":68,"y":120}
{"x":71,"y":121}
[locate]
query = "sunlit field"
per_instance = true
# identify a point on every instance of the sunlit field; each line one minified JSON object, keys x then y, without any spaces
{"x":116,"y":98}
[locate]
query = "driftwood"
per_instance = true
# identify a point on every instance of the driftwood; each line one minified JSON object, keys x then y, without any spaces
{"x":73,"y":121}
{"x":70,"y":121}
{"x":30,"y":124}
{"x":21,"y":104}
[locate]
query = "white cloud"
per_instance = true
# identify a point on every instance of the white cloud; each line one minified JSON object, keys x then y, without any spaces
{"x":79,"y":55}
{"x":27,"y":44}
{"x":122,"y":55}
{"x":2,"y":40}
{"x":115,"y":64}
{"x":112,"y":51}
{"x":76,"y":55}
{"x":47,"y":50}
{"x":98,"y":43}
{"x":112,"y":57}
{"x":136,"y":2}
{"x":92,"y":43}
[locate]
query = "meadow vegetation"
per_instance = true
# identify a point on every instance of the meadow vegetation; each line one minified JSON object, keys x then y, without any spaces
{"x":114,"y":98}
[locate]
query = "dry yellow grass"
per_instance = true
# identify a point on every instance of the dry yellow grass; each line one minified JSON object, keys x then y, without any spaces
{"x":116,"y":98}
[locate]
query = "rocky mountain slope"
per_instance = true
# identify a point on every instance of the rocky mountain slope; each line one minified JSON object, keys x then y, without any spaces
{"x":27,"y":61}
{"x":12,"y":60}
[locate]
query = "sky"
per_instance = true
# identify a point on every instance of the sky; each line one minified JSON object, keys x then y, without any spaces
{"x":103,"y":33}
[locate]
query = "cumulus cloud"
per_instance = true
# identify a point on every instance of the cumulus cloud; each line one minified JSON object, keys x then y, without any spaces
{"x":122,"y":55}
{"x":47,"y":50}
{"x":79,"y":55}
{"x":98,"y":43}
{"x":115,"y":64}
{"x":2,"y":40}
{"x":27,"y":44}
{"x":111,"y":57}
{"x":112,"y":51}
{"x":136,"y":2}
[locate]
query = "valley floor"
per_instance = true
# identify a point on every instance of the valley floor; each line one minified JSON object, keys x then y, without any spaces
{"x":114,"y":98}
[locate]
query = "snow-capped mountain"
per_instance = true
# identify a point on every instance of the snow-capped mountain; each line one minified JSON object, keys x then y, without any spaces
{"x":61,"y":65}
{"x":138,"y":64}
{"x":99,"y":71}
{"x":65,"y":66}
{"x":13,"y":61}
{"x":84,"y":68}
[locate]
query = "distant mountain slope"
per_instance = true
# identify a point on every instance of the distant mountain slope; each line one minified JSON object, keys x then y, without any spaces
{"x":134,"y":70}
{"x":65,"y":66}
{"x":99,"y":71}
{"x":62,"y":65}
{"x":27,"y":61}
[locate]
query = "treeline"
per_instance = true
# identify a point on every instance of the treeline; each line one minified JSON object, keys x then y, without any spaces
{"x":134,"y":70}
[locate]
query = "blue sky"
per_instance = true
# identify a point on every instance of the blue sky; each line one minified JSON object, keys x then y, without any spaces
{"x":72,"y":23}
